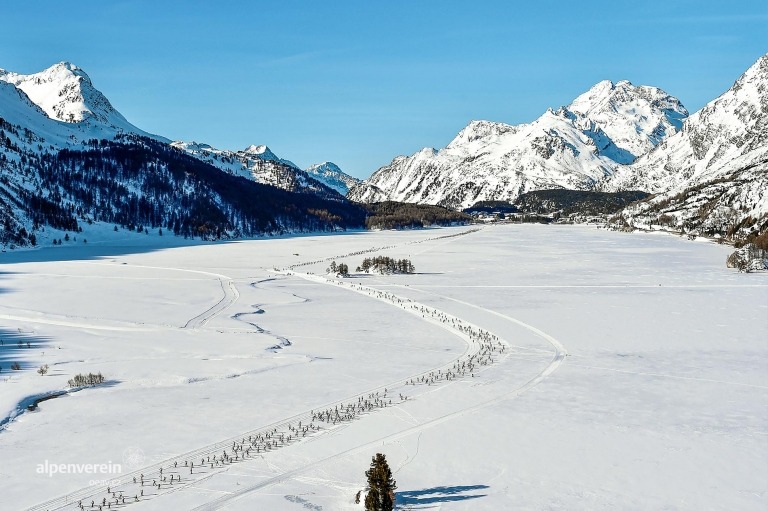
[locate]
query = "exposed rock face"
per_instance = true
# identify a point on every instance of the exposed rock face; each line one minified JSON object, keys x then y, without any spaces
{"x":712,"y":176}
{"x":573,"y":147}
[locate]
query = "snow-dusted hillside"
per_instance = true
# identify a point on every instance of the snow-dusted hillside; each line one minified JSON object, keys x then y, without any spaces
{"x":65,"y":93}
{"x":259,"y":163}
{"x":572,"y":147}
{"x":69,"y":160}
{"x":713,"y":174}
{"x":30,"y":130}
{"x":331,"y":175}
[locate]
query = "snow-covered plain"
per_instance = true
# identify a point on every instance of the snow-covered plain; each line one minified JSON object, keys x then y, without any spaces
{"x":636,"y":375}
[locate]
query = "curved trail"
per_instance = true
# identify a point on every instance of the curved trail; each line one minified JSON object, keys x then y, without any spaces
{"x":554,"y":364}
{"x":438,"y":318}
{"x":559,"y":348}
{"x":227,"y":287}
{"x":87,"y":493}
{"x":230,"y":297}
{"x":92,"y":492}
{"x":229,"y":291}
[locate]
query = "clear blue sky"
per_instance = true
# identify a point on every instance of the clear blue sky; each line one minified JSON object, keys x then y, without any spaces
{"x":359,"y":82}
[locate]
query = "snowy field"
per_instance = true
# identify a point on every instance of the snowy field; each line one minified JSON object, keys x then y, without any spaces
{"x":629,"y":371}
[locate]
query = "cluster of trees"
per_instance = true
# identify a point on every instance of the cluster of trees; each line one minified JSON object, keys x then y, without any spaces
{"x":338,"y":269}
{"x":748,"y":258}
{"x":401,"y":215}
{"x":759,"y":240}
{"x":579,"y":202}
{"x":384,"y":264}
{"x":491,"y":206}
{"x":11,"y":231}
{"x":86,"y":380}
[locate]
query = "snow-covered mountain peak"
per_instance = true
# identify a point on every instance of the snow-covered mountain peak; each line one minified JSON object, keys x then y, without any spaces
{"x":596,"y":94}
{"x":635,"y":118}
{"x":755,"y":77}
{"x":58,"y":72}
{"x":262,"y":153}
{"x":332,"y":176}
{"x":477,"y":130}
{"x":757,"y":73}
{"x":570,"y":147}
{"x":714,"y":172}
{"x":260,"y":164}
{"x":326,"y":166}
{"x":257,"y":149}
{"x":623,"y":97}
{"x":64,"y":92}
{"x":62,"y":71}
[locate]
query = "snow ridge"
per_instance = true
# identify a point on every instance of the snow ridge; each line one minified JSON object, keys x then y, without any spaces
{"x":260,"y":164}
{"x":712,"y":174}
{"x":572,"y":147}
{"x":66,"y":93}
{"x":332,"y":176}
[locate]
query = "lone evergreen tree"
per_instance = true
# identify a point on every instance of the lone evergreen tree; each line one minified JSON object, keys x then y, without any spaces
{"x":381,"y":486}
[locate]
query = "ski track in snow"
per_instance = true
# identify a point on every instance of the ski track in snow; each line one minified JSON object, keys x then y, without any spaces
{"x":229,"y":291}
{"x":230,"y":297}
{"x":555,"y":362}
{"x":228,"y":288}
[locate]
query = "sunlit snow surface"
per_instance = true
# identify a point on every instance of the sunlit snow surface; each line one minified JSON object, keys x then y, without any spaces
{"x":660,"y":403}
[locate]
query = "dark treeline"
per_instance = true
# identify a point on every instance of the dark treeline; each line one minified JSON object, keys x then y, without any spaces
{"x":400,"y":215}
{"x":491,"y":206}
{"x":143,"y":184}
{"x":577,"y":201}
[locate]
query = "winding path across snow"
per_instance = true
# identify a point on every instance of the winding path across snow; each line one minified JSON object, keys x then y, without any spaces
{"x":230,"y":296}
{"x":554,"y":364}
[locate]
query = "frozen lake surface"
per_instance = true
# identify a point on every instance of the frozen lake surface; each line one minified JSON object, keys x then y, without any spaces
{"x":634,"y":373}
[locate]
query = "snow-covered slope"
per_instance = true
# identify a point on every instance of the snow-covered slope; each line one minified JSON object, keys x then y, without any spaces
{"x":27,"y":134}
{"x":65,"y":93}
{"x":68,"y":159}
{"x":331,"y":175}
{"x":78,"y":113}
{"x":259,"y":163}
{"x":572,"y":147}
{"x":713,"y":174}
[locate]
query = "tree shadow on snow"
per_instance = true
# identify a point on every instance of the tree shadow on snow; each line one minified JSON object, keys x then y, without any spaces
{"x":421,"y":499}
{"x":122,"y":245}
{"x":20,"y":347}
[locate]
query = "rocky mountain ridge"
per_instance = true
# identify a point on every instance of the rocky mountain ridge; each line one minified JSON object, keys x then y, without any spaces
{"x":572,"y":147}
{"x":708,"y":172}
{"x":711,"y":176}
{"x":70,"y":162}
